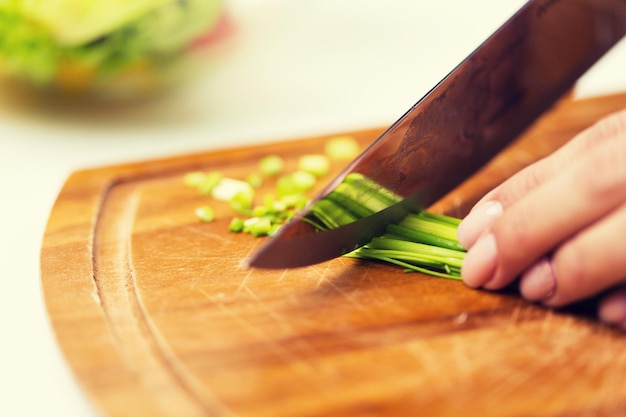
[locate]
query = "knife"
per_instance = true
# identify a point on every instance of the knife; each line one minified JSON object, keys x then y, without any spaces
{"x":479,"y":108}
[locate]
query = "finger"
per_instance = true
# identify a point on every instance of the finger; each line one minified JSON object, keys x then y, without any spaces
{"x":489,"y":208}
{"x":587,"y":264}
{"x":612,"y":308}
{"x":538,"y":283}
{"x":478,"y":220}
{"x":548,"y":216}
{"x":607,"y":129}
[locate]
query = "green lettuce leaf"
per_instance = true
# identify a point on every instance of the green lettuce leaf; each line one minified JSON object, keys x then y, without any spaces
{"x":30,"y":49}
{"x":74,"y":22}
{"x":26,"y":49}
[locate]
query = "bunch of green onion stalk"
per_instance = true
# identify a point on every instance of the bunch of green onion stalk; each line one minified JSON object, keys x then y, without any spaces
{"x":424,"y":242}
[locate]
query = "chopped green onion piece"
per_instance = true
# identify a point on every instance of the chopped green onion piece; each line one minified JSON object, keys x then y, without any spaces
{"x":236,"y":225}
{"x":242,"y":202}
{"x":296,"y":201}
{"x":318,"y":165}
{"x":194,"y":179}
{"x":304,"y":180}
{"x":211,"y":180}
{"x":295,"y":183}
{"x":343,"y":148}
{"x":228,"y":188}
{"x":202,"y":181}
{"x":255,"y":180}
{"x":274,"y":229}
{"x":271,"y":165}
{"x":279,"y":206}
{"x":269,"y":201}
{"x":258,"y":226}
{"x":205,"y":214}
{"x":259,"y":211}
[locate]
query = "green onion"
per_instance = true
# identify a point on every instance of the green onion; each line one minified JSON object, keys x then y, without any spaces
{"x":297,"y":182}
{"x":343,"y":148}
{"x":271,"y":165}
{"x":414,"y":256}
{"x":204,"y":182}
{"x":385,"y":196}
{"x":255,"y":180}
{"x":258,"y":226}
{"x":242,"y":203}
{"x":236,"y":225}
{"x":227,"y":188}
{"x":262,"y":219}
{"x":428,"y":225}
{"x":205,"y":214}
{"x":423,"y":242}
{"x":331,"y":214}
{"x":420,"y":236}
{"x":318,"y":165}
{"x":194,"y":179}
{"x":438,"y":257}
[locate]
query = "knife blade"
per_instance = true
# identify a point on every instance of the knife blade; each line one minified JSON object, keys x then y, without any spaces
{"x":478,"y":109}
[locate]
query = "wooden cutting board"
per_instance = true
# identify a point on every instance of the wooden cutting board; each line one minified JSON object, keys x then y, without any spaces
{"x":157,"y":317}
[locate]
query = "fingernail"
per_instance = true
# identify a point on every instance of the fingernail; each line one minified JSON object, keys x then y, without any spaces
{"x":539,"y":282}
{"x":479,"y":219}
{"x":480,"y":262}
{"x":613,"y":310}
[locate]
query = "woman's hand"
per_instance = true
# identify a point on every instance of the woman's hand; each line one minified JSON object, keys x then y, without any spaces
{"x":559,"y":225}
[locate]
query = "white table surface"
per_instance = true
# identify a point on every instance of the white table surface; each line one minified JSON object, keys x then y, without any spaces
{"x":290,"y":68}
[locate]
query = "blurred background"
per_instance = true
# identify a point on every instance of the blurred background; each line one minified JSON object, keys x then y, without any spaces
{"x":275,"y":70}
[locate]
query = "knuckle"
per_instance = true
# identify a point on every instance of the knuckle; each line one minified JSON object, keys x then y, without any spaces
{"x":534,"y":178}
{"x":614,"y":124}
{"x":515,"y":237}
{"x":602,"y":131}
{"x":527,"y":180}
{"x":573,"y":273}
{"x":603,"y":173}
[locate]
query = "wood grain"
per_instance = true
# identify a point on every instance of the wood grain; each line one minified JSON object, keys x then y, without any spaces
{"x":157,"y":317}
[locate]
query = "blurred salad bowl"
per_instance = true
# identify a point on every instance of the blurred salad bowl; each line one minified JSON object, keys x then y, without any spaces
{"x":108,"y":48}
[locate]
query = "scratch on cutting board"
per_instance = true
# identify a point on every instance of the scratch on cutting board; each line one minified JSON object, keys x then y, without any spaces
{"x":457,"y":203}
{"x":305,"y":362}
{"x":302,"y":365}
{"x":282,"y":275}
{"x":244,"y":284}
{"x":515,"y":314}
{"x":351,"y":297}
{"x":557,"y":350}
{"x":461,"y":318}
{"x":243,"y":264}
{"x":323,"y":276}
{"x":612,"y":382}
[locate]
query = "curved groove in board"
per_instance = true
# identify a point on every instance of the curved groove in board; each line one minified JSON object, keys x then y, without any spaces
{"x":144,"y":352}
